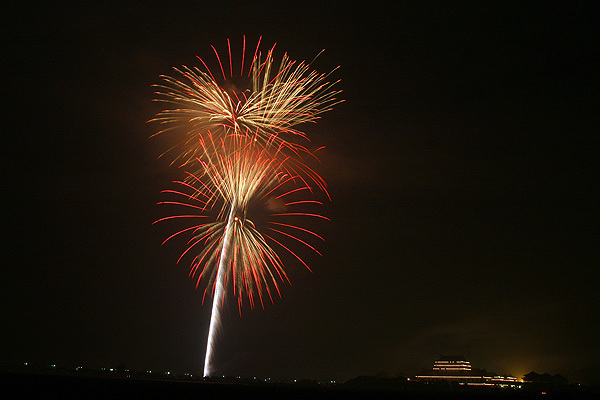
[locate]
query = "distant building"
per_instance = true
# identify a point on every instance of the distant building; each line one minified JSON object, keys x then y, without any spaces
{"x":458,"y":369}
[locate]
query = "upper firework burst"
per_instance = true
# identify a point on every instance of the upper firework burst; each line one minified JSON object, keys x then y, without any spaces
{"x":262,"y":101}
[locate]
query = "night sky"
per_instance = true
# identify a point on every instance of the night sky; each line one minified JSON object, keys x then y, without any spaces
{"x":464,"y":212}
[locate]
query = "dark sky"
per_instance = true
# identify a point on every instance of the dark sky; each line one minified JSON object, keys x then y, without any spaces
{"x":464,"y":217}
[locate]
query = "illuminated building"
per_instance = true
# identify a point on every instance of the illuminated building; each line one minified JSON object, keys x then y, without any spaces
{"x":458,"y":369}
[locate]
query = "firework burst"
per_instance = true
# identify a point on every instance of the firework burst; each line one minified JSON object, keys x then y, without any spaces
{"x":245,"y":203}
{"x":267,"y":103}
{"x":248,"y":183}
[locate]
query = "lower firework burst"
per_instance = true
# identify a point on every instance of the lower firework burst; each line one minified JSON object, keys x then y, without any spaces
{"x":245,"y":205}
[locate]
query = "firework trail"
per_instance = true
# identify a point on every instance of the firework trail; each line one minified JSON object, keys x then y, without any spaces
{"x":215,"y":320}
{"x":240,"y":148}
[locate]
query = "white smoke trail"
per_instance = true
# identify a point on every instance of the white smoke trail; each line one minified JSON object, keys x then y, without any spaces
{"x":215,"y":315}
